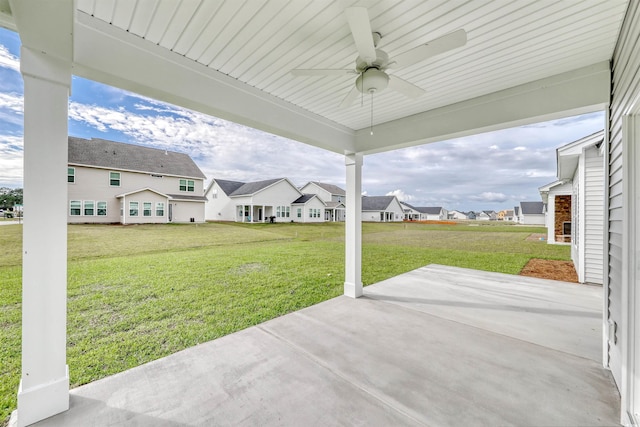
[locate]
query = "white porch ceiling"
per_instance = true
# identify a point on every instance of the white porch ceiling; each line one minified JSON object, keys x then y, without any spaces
{"x":252,"y":46}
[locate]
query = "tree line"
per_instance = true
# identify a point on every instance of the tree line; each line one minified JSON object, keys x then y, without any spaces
{"x":10,"y":197}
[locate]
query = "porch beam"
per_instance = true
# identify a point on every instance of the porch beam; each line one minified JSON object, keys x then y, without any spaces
{"x":353,"y":226}
{"x":115,"y":57}
{"x":44,"y":384}
{"x":575,"y":92}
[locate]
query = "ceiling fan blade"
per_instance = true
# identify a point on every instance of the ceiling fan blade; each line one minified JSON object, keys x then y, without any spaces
{"x":434,"y":47}
{"x":358,"y":19}
{"x":300,"y":72}
{"x":351,"y":96}
{"x":404,"y":87}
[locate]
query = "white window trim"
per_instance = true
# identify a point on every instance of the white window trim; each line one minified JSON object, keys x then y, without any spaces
{"x":73,"y":174}
{"x":80,"y":207}
{"x":106,"y":208}
{"x":137,"y":209}
{"x":119,"y":179}
{"x":84,"y":203}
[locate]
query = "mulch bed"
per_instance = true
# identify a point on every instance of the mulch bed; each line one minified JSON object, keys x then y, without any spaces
{"x":549,"y":269}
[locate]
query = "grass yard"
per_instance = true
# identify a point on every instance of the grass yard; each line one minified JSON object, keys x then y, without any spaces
{"x":138,"y":293}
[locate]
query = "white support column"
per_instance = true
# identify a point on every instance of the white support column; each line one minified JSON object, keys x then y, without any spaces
{"x":44,"y":385}
{"x":353,"y":226}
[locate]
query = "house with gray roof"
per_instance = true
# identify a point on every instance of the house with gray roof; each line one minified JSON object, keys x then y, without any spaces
{"x":382,"y":209}
{"x":114,"y":182}
{"x":333,"y":197}
{"x":532,"y":213}
{"x":270,"y":200}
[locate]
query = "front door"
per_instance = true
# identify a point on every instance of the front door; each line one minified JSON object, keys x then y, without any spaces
{"x":170,"y":212}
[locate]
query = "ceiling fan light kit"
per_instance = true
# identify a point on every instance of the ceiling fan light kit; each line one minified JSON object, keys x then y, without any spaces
{"x":372,"y":80}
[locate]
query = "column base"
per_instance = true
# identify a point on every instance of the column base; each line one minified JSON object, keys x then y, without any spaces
{"x":43,"y":401}
{"x":352,"y":290}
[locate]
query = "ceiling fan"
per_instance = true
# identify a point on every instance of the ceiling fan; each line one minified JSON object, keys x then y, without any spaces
{"x":372,"y":63}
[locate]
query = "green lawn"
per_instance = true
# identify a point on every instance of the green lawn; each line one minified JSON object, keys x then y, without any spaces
{"x":138,"y":293}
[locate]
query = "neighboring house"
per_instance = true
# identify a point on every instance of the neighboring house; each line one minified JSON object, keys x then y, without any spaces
{"x":308,"y":208}
{"x":114,"y":182}
{"x":486,"y":216}
{"x":259,"y":201}
{"x":432,"y":213}
{"x":471,"y":215}
{"x":557,"y":197}
{"x":532,"y":213}
{"x":454,"y":214}
{"x":332,"y":196}
{"x":517,"y":215}
{"x":505,"y":215}
{"x":582,"y":163}
{"x":410,"y":213}
{"x":381,"y":209}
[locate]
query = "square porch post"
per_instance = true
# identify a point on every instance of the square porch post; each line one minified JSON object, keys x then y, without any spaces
{"x":353,"y":226}
{"x":44,"y":385}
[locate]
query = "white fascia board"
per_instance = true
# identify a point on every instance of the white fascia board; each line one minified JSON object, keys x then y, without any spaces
{"x":568,"y":155}
{"x":112,"y":56}
{"x":579,"y":91}
{"x":141,"y":190}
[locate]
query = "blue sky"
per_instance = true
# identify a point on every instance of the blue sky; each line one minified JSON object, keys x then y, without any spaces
{"x":490,"y":171}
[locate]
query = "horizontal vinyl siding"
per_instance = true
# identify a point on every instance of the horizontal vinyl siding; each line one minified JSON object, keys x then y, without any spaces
{"x":625,"y":84}
{"x":594,"y":216}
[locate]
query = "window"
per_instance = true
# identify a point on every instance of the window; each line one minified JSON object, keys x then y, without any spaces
{"x":214,"y":194}
{"x":75,"y":207}
{"x":278,"y":211}
{"x":187,"y":185}
{"x":160,"y":209}
{"x":88,"y":208}
{"x":310,"y":213}
{"x":133,"y":208}
{"x":102,"y":208}
{"x":71,"y":174}
{"x":288,"y":211}
{"x":114,"y":179}
{"x":146,"y":209}
{"x":299,"y":212}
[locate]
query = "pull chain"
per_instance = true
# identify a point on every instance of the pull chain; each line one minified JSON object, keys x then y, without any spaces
{"x":371,"y":128}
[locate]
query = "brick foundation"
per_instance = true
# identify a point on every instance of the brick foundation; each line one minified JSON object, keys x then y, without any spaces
{"x":562,"y":214}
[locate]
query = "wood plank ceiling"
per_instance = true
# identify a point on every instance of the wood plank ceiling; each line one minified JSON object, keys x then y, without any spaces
{"x":259,"y":42}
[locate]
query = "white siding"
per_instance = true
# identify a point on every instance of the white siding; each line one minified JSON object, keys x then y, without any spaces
{"x":576,"y":224}
{"x":93,"y":184}
{"x":530,"y":219}
{"x":594,"y":215}
{"x":307,"y":209}
{"x":312,"y":188}
{"x":625,"y":85}
{"x":218,"y":206}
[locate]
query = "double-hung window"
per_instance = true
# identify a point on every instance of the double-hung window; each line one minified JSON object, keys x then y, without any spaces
{"x":187,"y":185}
{"x":146,"y":209}
{"x":160,"y":209}
{"x":101,"y":208}
{"x":71,"y":175}
{"x":133,"y":208}
{"x":75,"y":207}
{"x":89,"y":208}
{"x":114,"y":179}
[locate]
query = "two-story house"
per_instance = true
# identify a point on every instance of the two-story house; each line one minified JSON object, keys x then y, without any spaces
{"x":113,"y":182}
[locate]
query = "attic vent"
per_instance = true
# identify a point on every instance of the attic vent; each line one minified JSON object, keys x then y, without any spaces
{"x":156,"y":176}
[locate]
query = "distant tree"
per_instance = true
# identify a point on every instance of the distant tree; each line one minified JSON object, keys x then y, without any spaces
{"x":10,"y":197}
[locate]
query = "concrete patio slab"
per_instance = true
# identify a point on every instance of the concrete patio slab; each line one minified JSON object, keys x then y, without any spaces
{"x":438,"y":346}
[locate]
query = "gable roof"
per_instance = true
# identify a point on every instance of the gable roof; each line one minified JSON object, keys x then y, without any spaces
{"x":250,"y":188}
{"x":333,"y":189}
{"x":532,"y":208}
{"x":429,"y":210}
{"x":304,"y":199}
{"x":107,"y":154}
{"x":376,"y":203}
{"x":567,"y":155}
{"x":228,"y":186}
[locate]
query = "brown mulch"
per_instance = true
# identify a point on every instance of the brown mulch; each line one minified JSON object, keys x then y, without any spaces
{"x":549,"y":269}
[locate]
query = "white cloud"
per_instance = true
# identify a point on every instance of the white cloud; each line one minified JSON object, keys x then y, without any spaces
{"x":401,"y":195}
{"x":520,"y":148}
{"x":490,"y":197}
{"x":11,"y":171}
{"x":8,"y":60}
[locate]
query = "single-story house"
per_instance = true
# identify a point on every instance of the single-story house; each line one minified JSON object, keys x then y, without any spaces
{"x":486,"y":216}
{"x":308,"y":208}
{"x":382,"y":209}
{"x":258,"y":201}
{"x":111,"y":182}
{"x":532,"y":213}
{"x":454,"y":214}
{"x":432,"y":213}
{"x":410,"y":213}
